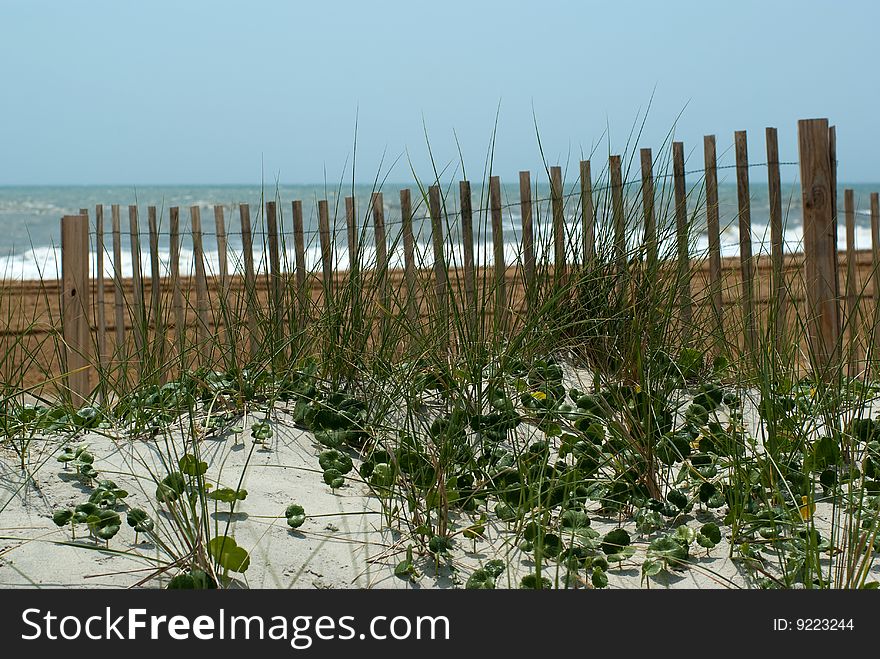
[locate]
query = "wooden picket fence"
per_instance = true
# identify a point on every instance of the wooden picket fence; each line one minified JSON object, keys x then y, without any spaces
{"x":85,"y":325}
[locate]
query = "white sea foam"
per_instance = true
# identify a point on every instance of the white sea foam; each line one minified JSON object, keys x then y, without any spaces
{"x":45,"y":262}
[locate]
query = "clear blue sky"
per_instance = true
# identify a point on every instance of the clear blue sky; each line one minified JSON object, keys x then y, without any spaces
{"x":229,"y":92}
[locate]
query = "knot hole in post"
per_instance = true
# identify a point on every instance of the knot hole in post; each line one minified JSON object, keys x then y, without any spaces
{"x":817,"y":197}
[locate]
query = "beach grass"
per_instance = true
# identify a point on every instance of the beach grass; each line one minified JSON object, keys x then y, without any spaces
{"x":554,"y":438}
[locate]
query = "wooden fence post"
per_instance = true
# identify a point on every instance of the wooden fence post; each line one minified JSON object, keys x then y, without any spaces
{"x":409,"y":251}
{"x":588,"y":213}
{"x":435,"y":209}
{"x":875,"y":276}
{"x":747,"y":264}
{"x":139,"y":318}
{"x":617,"y":212}
{"x":299,"y":244}
{"x":75,"y":302}
{"x":558,"y":210}
{"x":176,"y":291}
{"x":274,"y":276}
{"x":223,"y":271}
{"x":852,"y":301}
{"x":820,"y":242}
{"x":156,"y":289}
{"x":778,"y":289}
{"x":222,"y":256}
{"x":378,"y":208}
{"x":467,"y":246}
{"x":351,"y":226}
{"x":682,"y":233}
{"x":118,"y":297}
{"x":713,"y":228}
{"x":500,"y":267}
{"x":355,"y":288}
{"x":250,"y":279}
{"x":326,"y":251}
{"x":100,"y":318}
{"x":528,"y":238}
{"x":202,"y":304}
{"x":647,"y":162}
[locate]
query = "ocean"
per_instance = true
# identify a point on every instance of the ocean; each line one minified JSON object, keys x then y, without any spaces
{"x":30,"y":215}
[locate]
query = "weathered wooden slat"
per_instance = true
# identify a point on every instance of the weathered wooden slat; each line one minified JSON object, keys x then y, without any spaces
{"x":250,"y":280}
{"x":558,"y":209}
{"x":682,"y":234}
{"x":500,"y":267}
{"x":352,"y":229}
{"x":779,"y":289}
{"x":852,"y":304}
{"x":747,"y":263}
{"x":820,"y":242}
{"x":155,"y":319}
{"x":100,"y":311}
{"x":713,"y":229}
{"x":118,"y":297}
{"x":139,"y":312}
{"x":274,"y":276}
{"x":588,"y":213}
{"x":299,"y":245}
{"x":875,"y":273}
{"x":176,"y":291}
{"x":75,"y":304}
{"x":647,"y":163}
{"x":467,"y":244}
{"x":409,"y":259}
{"x":378,"y":208}
{"x":202,"y":303}
{"x":224,"y":314}
{"x":438,"y":239}
{"x":326,"y":251}
{"x":222,"y":249}
{"x":617,"y":211}
{"x":528,"y":238}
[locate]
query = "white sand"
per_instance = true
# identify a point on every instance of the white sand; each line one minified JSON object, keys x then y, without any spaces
{"x":343,"y":544}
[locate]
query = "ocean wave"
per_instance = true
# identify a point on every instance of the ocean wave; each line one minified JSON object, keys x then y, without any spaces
{"x":45,"y":262}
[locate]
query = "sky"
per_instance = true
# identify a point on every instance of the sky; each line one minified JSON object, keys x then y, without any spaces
{"x":173,"y":92}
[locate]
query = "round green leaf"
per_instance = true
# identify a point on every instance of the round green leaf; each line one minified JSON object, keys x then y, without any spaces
{"x":337,"y":460}
{"x":651,"y":567}
{"x":711,"y":531}
{"x":439,"y":544}
{"x":228,"y":554}
{"x":192,"y":466}
{"x":171,"y":487}
{"x":195,"y":580}
{"x":228,"y":495}
{"x":333,"y":478}
{"x":139,"y":520}
{"x":615,"y":540}
{"x":296,"y":515}
{"x":678,"y":499}
{"x":83,"y":511}
{"x":495,"y":567}
{"x":382,"y":476}
{"x":62,"y":517}
{"x":531,"y":582}
{"x":481,"y":579}
{"x":104,"y":523}
{"x":574,"y":519}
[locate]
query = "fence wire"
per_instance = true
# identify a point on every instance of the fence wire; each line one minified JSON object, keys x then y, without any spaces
{"x":261,"y":232}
